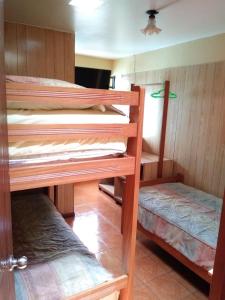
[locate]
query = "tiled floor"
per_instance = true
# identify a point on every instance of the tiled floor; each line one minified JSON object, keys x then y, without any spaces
{"x":158,"y":276}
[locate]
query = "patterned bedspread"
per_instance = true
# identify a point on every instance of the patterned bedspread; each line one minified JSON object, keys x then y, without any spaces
{"x":186,"y":218}
{"x":59,"y":265}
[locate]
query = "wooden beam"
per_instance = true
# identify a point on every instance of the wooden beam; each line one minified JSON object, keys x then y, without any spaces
{"x":177,"y":178}
{"x":163,"y":130}
{"x":217,"y":291}
{"x":102,"y":290}
{"x":130,"y":198}
{"x":56,"y":173}
{"x":26,"y":92}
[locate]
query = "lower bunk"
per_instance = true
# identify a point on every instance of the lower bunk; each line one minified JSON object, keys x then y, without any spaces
{"x":183,"y":221}
{"x":59,"y":265}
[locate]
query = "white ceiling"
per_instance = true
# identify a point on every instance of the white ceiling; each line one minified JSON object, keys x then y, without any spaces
{"x":113,"y":29}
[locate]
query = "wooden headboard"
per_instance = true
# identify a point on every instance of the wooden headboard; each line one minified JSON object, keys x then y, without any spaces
{"x":34,"y":51}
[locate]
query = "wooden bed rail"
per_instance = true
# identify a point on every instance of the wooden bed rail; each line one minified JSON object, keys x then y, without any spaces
{"x":48,"y":174}
{"x":58,"y":132}
{"x":23,"y":92}
{"x":102,"y":290}
{"x":177,"y":178}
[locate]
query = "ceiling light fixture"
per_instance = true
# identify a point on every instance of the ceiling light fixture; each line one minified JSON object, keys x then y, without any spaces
{"x":86,"y":4}
{"x":151,"y":26}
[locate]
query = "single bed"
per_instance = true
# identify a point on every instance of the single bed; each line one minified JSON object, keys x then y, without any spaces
{"x":59,"y":265}
{"x":185,"y":218}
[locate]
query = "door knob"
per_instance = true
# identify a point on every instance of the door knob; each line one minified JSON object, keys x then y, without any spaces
{"x":12,"y":262}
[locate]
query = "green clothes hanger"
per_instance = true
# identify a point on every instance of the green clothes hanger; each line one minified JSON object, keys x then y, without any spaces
{"x":160,"y":94}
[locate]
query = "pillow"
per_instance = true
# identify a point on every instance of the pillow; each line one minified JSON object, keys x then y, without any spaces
{"x":46,"y":82}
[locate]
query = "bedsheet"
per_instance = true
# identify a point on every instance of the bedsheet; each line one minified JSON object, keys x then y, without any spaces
{"x":59,"y":265}
{"x":186,"y":218}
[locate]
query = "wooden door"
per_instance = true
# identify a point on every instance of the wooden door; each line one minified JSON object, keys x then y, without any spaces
{"x":6,"y":278}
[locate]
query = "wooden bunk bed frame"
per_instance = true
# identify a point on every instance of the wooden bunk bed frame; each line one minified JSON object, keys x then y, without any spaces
{"x":56,"y":173}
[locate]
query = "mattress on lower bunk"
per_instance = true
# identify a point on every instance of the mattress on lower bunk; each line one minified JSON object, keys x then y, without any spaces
{"x":45,"y":151}
{"x":59,"y":265}
{"x":186,"y":218}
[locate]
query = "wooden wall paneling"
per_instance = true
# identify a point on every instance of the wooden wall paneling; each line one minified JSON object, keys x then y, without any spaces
{"x":35,"y":51}
{"x":216,"y":132}
{"x":173,"y":113}
{"x":194,"y":106}
{"x":69,"y":53}
{"x":22,"y":49}
{"x":49,"y":53}
{"x":206,"y":77}
{"x":59,"y":63}
{"x":196,"y":126}
{"x":11,"y":48}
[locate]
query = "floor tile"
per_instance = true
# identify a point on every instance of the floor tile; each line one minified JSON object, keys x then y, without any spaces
{"x":167,"y":288}
{"x":112,"y":264}
{"x":158,"y":276}
{"x":142,"y":292}
{"x":147,"y":268}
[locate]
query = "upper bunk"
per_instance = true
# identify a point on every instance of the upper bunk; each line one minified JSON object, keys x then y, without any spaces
{"x":45,"y":114}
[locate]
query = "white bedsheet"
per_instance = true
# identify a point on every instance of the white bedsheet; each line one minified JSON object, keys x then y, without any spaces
{"x":38,"y":152}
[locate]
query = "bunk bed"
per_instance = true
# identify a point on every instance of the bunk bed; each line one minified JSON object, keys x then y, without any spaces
{"x":48,"y":170}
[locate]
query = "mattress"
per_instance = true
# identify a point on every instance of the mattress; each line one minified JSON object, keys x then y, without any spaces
{"x":45,"y":151}
{"x":59,"y":265}
{"x":184,"y":217}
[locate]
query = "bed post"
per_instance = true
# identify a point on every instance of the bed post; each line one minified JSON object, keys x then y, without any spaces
{"x":217,"y":291}
{"x":163,"y":129}
{"x":130,"y":197}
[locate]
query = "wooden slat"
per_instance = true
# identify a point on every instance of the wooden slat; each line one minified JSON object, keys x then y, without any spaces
{"x":102,"y":290}
{"x":59,"y":63}
{"x":48,"y":174}
{"x":50,"y":53}
{"x":69,"y":52}
{"x":177,"y":178}
{"x":22,"y":49}
{"x":11,"y":49}
{"x":35,"y":51}
{"x":60,"y":132}
{"x":44,"y":94}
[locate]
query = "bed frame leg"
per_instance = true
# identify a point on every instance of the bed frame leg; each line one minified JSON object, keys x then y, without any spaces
{"x":130,"y":199}
{"x":130,"y":207}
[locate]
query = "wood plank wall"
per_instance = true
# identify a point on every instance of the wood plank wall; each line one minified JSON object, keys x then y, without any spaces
{"x":40,"y":52}
{"x":195,"y":137}
{"x":34,"y":51}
